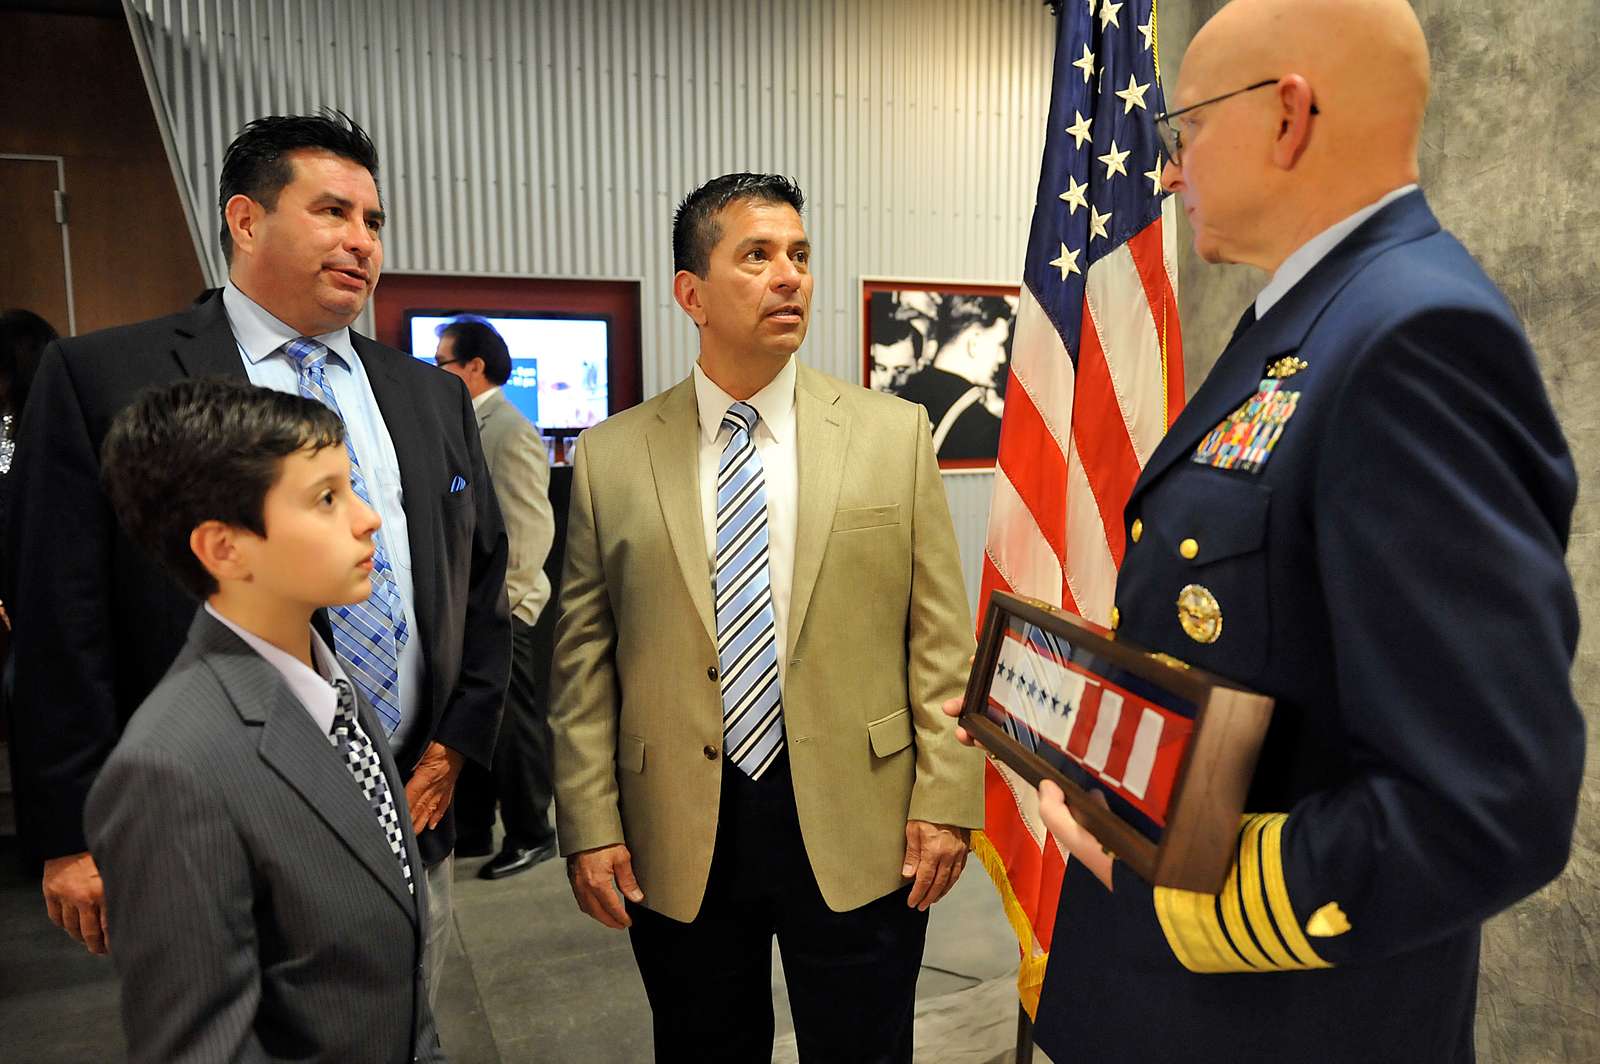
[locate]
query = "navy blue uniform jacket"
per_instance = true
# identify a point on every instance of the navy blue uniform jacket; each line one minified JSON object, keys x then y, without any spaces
{"x":1394,"y":576}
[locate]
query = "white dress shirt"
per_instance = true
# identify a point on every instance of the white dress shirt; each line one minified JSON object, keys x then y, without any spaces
{"x":261,"y":337}
{"x":780,"y":463}
{"x":314,"y":688}
{"x":1294,"y":268}
{"x":483,"y":397}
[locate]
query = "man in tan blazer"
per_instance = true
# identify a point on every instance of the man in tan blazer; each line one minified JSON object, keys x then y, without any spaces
{"x":761,"y":613}
{"x":470,"y":349}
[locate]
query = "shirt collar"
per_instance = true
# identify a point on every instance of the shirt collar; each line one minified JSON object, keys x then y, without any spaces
{"x":260,"y":335}
{"x":775,"y":403}
{"x":314,"y":689}
{"x":483,"y":397}
{"x":1297,"y":265}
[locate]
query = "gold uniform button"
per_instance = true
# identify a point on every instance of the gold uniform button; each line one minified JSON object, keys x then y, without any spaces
{"x":1138,"y":529}
{"x":1188,"y":548}
{"x":1116,"y":618}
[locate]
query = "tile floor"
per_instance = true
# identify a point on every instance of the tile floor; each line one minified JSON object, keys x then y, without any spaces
{"x":530,"y":979}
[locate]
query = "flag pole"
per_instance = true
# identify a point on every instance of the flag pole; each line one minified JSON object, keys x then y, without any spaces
{"x":1024,"y":1054}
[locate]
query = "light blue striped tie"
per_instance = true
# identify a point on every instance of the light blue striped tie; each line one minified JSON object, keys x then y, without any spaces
{"x":368,"y":635}
{"x":747,"y":637}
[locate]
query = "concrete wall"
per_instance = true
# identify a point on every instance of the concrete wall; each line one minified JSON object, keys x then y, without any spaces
{"x":1508,"y":150}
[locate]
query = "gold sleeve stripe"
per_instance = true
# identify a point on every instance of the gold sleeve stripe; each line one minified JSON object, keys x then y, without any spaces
{"x":1232,"y":904}
{"x":1189,"y":920}
{"x":1234,"y":931}
{"x":1278,"y":894}
{"x":1255,"y":900}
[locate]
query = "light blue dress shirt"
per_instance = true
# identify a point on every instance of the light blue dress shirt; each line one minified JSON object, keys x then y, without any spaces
{"x":1293,"y":269}
{"x":261,"y":338}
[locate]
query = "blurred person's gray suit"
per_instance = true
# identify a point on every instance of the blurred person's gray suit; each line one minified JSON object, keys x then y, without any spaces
{"x":520,"y":778}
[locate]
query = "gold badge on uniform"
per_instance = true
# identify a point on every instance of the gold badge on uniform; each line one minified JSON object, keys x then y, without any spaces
{"x":1199,"y":614}
{"x":1287,"y":366}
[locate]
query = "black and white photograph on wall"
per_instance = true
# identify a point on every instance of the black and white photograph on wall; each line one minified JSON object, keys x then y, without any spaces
{"x":946,"y":345}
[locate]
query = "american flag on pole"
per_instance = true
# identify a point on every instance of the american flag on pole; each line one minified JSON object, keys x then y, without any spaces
{"x":1096,"y":379}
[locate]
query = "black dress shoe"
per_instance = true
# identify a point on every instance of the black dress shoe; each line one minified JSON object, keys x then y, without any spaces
{"x":474,"y":845}
{"x":513,"y":859}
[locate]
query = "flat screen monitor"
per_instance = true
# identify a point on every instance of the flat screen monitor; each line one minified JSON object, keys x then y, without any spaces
{"x":559,"y":361}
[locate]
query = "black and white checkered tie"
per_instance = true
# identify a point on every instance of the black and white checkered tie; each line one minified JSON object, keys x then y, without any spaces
{"x":361,"y":758}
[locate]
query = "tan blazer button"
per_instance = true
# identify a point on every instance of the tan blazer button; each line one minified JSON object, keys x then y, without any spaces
{"x":710,"y":752}
{"x":711,"y":673}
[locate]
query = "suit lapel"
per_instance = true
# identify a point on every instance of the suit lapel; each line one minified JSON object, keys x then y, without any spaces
{"x":1231,"y":381}
{"x":302,"y":756}
{"x":1239,"y":370}
{"x":203,"y":342}
{"x":674,"y":446}
{"x":294,"y":749}
{"x":822,"y":435}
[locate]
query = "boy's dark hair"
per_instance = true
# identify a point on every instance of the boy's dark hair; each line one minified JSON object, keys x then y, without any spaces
{"x":204,"y":450}
{"x":257,"y":163}
{"x":476,"y":338}
{"x":694,"y":227}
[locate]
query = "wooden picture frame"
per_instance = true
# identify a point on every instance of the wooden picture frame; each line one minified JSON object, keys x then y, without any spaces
{"x":1170,"y":749}
{"x":947,"y":346}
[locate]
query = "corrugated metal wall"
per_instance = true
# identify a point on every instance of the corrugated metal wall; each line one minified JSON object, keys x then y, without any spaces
{"x":553,"y":138}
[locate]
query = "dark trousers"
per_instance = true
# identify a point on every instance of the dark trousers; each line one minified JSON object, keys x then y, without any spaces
{"x":851,"y":976}
{"x":521,"y":777}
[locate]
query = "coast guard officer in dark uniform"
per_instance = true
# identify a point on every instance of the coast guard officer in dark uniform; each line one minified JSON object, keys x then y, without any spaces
{"x":1363,"y":512}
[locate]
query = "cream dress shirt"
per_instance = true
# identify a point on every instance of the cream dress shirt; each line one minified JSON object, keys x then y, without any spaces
{"x":780,"y":461}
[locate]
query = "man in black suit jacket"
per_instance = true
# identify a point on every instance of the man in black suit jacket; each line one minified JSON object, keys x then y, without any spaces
{"x":97,"y":622}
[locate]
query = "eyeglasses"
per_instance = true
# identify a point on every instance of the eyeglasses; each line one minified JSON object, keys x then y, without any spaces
{"x":1171,"y":133}
{"x":448,"y":362}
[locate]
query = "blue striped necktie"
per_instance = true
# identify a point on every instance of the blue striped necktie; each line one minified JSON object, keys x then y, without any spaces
{"x":368,"y":635}
{"x":747,"y":637}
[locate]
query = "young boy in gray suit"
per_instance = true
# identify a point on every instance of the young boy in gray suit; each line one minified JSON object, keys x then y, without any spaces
{"x":265,"y":894}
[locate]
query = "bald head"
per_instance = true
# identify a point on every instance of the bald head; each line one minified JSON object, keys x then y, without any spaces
{"x":1366,"y":61}
{"x":1339,"y":129}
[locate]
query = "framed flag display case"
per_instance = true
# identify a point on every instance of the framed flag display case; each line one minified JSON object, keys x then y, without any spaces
{"x":1155,"y":757}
